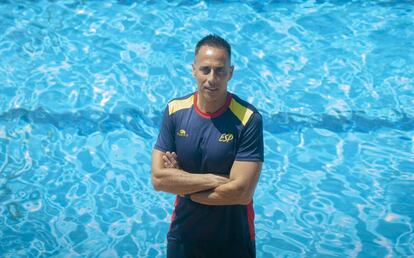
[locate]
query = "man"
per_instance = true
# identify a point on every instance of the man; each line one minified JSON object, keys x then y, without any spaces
{"x":209,"y":153}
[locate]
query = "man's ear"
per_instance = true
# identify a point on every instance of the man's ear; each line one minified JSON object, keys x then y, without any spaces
{"x":231,"y":72}
{"x":193,"y":69}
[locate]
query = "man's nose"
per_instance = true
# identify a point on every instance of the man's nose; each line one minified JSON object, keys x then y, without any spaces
{"x":212,"y":76}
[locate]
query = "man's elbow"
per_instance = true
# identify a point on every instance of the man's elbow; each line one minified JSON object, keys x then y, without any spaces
{"x":245,"y":200}
{"x":243,"y":194}
{"x":156,"y":182}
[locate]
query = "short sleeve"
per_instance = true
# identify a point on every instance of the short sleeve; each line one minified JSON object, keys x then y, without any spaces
{"x":165,"y":141}
{"x":251,"y":142}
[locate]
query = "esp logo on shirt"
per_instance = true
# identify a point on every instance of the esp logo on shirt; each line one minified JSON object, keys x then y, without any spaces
{"x":226,"y":137}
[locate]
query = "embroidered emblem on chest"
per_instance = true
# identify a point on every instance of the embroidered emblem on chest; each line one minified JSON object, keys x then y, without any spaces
{"x":226,"y":137}
{"x":182,"y":133}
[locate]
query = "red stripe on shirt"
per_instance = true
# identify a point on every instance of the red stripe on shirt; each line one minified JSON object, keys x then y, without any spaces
{"x":177,"y":201}
{"x":215,"y":114}
{"x":250,"y":219}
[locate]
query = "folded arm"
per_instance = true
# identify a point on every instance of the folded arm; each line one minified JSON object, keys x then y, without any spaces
{"x":239,"y":190}
{"x":174,"y":180}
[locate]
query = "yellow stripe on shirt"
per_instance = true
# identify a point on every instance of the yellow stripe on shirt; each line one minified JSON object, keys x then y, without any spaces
{"x":241,"y":112}
{"x":179,"y":104}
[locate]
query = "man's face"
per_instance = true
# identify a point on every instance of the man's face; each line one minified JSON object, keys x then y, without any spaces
{"x":212,"y":70}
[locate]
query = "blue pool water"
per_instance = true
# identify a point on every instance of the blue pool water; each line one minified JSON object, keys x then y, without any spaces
{"x":83,"y":85}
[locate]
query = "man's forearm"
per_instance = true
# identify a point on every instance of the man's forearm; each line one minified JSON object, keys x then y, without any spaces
{"x":180,"y":182}
{"x":227,"y":194}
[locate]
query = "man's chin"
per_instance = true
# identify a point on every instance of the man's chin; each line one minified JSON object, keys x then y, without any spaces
{"x":211,"y":96}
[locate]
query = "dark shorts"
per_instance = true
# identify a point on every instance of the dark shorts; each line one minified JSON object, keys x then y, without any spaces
{"x":184,"y":250}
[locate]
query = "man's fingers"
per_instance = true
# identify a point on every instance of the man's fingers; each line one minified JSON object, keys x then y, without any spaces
{"x":173,"y":157}
{"x":174,"y":161}
{"x":167,"y":162}
{"x":170,"y":160}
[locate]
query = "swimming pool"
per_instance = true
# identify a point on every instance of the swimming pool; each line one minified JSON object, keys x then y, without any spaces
{"x":83,"y":85}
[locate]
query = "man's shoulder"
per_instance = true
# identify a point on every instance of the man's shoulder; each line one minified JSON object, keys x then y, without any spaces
{"x":184,"y":97}
{"x":180,"y":103}
{"x":243,"y":110}
{"x":244,"y":103}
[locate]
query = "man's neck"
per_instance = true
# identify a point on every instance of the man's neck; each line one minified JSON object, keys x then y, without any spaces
{"x":210,"y":107}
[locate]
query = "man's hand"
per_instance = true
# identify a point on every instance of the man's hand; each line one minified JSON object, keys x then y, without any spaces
{"x":170,"y":160}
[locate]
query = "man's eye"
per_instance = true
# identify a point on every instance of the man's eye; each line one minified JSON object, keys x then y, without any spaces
{"x":220,"y":70}
{"x":205,"y":70}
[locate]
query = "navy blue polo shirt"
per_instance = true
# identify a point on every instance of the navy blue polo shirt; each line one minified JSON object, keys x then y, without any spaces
{"x":210,"y":143}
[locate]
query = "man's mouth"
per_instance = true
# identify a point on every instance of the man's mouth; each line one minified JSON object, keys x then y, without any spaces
{"x":208,"y":88}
